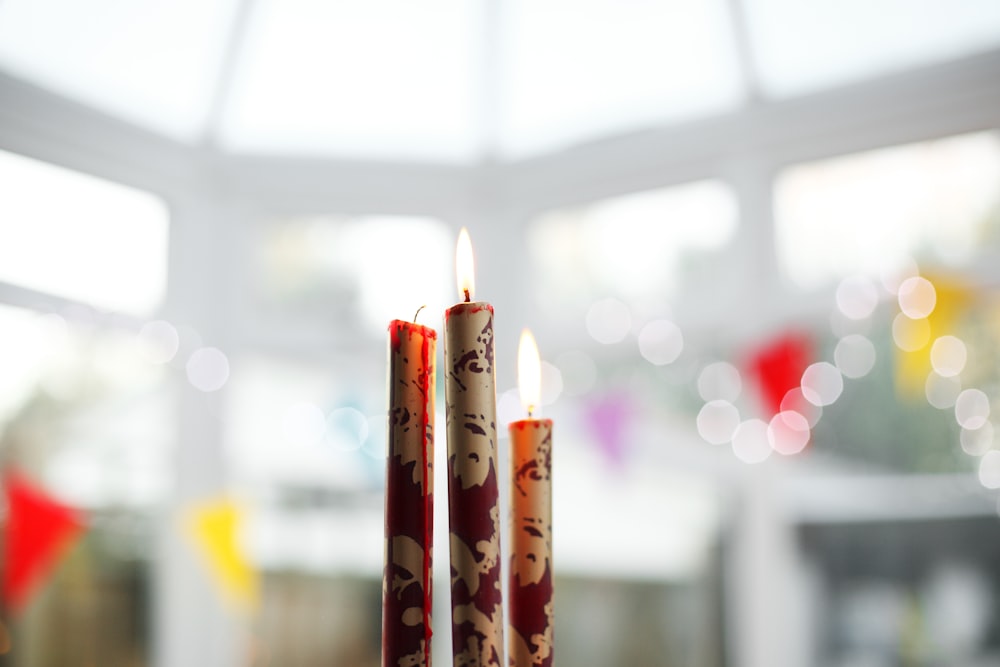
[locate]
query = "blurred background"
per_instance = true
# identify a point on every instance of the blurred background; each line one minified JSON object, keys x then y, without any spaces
{"x":758,"y":242}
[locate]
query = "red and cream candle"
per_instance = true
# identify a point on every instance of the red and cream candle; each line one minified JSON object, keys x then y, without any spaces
{"x":409,"y":498}
{"x":530,"y":583}
{"x":473,"y":503}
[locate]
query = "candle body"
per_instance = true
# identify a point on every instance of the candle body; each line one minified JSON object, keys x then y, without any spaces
{"x":530,"y":590}
{"x":406,"y":580}
{"x":473,"y":503}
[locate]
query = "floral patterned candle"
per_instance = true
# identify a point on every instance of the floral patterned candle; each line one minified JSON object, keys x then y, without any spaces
{"x":473,"y":503}
{"x":530,"y":590}
{"x":409,"y":498}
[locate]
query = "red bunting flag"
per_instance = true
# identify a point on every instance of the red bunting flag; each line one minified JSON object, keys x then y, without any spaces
{"x":39,"y":531}
{"x":778,"y":368}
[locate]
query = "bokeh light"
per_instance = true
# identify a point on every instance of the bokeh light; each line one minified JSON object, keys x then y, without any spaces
{"x":347,"y":428}
{"x":917,"y":297}
{"x":208,"y":369}
{"x":977,"y":441}
{"x":719,"y":381}
{"x":660,"y":342}
{"x":750,"y":441}
{"x":579,"y":373}
{"x":854,"y":356}
{"x":159,"y":341}
{"x":717,"y":421}
{"x":788,"y":432}
{"x":948,"y":356}
{"x":989,"y":469}
{"x":910,"y":335}
{"x":857,"y":297}
{"x":376,"y":442}
{"x":795,"y":401}
{"x":942,"y":392}
{"x":972,"y":409}
{"x":552,"y":383}
{"x":608,"y":321}
{"x":822,"y":383}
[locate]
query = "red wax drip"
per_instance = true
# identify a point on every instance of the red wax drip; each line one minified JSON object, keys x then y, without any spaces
{"x":428,"y":500}
{"x":396,"y":328}
{"x":469,"y":307}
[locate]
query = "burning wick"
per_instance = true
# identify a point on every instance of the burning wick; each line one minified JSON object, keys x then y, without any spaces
{"x":529,"y":373}
{"x":464,"y":265}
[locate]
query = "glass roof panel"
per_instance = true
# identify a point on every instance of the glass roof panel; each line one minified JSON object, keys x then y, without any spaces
{"x":152,"y":63}
{"x":576,"y":69}
{"x":373,"y":78}
{"x":804,"y":46}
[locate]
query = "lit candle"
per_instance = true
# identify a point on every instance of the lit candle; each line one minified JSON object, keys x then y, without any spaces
{"x":531,"y":611}
{"x":473,"y":504}
{"x":409,"y":499}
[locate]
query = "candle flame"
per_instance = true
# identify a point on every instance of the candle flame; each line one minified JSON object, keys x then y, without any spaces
{"x":464,"y":267}
{"x":529,"y":372}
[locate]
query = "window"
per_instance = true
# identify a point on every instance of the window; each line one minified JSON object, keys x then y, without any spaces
{"x":637,"y":247}
{"x":875,"y":212}
{"x":378,"y":268}
{"x":800,"y":47}
{"x":80,"y":237}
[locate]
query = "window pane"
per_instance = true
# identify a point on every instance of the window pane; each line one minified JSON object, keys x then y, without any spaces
{"x":83,"y":408}
{"x":804,"y":46}
{"x":377,"y":78}
{"x":934,"y":202}
{"x":378,"y":268}
{"x":573,"y":70}
{"x":80,"y":237}
{"x":154,"y":63}
{"x":637,"y":247}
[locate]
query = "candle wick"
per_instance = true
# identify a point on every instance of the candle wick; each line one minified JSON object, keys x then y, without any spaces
{"x":468,"y":297}
{"x":418,"y":312}
{"x":531,"y":410}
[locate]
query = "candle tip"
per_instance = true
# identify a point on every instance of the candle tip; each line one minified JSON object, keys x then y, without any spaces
{"x":418,"y":313}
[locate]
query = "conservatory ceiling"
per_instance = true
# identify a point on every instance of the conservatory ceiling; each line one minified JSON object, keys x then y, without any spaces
{"x":460,"y":81}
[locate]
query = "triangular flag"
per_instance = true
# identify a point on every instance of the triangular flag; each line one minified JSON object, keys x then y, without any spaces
{"x":213,"y":528}
{"x":778,"y":367}
{"x":913,"y":366}
{"x":39,"y":531}
{"x":608,"y":417}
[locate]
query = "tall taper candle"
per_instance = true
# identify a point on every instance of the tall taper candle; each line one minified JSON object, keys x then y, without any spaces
{"x":473,"y":503}
{"x":409,"y":498}
{"x":530,"y":590}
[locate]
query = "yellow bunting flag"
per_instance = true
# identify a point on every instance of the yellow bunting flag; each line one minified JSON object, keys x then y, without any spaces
{"x":915,"y":337}
{"x":213,"y":527}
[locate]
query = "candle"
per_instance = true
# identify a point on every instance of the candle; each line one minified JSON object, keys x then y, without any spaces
{"x":473,"y":504}
{"x":531,"y":611}
{"x":406,"y":581}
